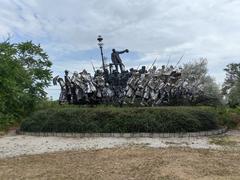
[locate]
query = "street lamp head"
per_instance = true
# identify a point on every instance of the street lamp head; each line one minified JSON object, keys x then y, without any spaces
{"x":99,"y":38}
{"x":100,"y":41}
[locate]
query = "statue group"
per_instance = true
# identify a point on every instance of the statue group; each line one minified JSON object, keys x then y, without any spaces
{"x":113,"y":84}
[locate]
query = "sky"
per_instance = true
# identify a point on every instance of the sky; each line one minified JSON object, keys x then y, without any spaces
{"x":163,"y":29}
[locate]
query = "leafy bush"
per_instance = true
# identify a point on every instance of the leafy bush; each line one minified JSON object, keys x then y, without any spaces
{"x":6,"y":121}
{"x":229,"y":117}
{"x":110,"y":119}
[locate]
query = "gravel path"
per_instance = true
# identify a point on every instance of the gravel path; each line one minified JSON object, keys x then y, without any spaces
{"x":11,"y":146}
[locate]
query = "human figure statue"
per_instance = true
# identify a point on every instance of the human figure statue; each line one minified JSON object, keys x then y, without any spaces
{"x":143,"y":70}
{"x":74,"y":89}
{"x":60,"y":81}
{"x":68,"y":86}
{"x":162,"y":70}
{"x":130,"y":90}
{"x":99,"y":83}
{"x":116,"y":60}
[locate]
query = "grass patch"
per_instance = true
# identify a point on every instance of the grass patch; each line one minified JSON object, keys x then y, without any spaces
{"x":2,"y":133}
{"x":223,"y":141}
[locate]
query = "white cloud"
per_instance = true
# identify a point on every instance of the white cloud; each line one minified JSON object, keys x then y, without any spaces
{"x":200,"y":28}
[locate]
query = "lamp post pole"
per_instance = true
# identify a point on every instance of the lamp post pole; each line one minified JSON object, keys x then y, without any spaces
{"x":100,"y":44}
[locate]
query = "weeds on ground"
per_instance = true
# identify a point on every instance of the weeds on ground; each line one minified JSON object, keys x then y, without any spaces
{"x":223,"y":141}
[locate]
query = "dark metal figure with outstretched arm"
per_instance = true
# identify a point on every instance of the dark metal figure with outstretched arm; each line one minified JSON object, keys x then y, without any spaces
{"x":116,"y":60}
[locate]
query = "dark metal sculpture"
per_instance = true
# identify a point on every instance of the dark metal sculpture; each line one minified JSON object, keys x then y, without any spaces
{"x":116,"y":60}
{"x":152,"y":87}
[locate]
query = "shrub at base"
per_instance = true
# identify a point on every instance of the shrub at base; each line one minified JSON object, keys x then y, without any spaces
{"x":121,"y":120}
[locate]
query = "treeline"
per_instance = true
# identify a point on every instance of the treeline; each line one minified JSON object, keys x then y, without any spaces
{"x":24,"y":73}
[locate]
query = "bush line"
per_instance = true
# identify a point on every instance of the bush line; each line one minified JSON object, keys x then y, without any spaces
{"x":122,"y":120}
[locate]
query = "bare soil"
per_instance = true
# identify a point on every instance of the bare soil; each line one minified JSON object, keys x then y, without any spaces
{"x":26,"y":157}
{"x":11,"y":146}
{"x":135,"y":162}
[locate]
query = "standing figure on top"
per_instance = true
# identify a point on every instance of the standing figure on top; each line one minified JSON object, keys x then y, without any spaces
{"x":116,"y":60}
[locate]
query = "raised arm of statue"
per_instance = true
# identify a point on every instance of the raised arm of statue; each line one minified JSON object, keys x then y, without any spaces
{"x":121,"y":52}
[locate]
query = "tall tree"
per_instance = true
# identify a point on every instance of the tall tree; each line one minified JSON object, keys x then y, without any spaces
{"x":25,"y":73}
{"x":196,"y":73}
{"x":36,"y":63}
{"x":232,"y":77}
{"x":231,"y":85}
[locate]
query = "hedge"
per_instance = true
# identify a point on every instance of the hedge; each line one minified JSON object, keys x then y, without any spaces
{"x":121,"y":120}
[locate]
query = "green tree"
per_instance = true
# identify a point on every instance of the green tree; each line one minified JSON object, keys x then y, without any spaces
{"x":36,"y":63}
{"x":231,"y":86}
{"x":234,"y":95}
{"x":25,"y":72}
{"x":197,"y":75}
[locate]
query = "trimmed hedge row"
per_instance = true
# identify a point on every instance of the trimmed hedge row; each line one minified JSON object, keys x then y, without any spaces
{"x":121,"y":120}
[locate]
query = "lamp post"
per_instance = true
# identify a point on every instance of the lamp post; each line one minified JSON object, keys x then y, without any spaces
{"x":100,"y":44}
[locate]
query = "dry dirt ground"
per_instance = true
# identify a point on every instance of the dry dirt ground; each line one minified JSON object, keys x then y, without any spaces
{"x":135,"y":161}
{"x":125,"y":163}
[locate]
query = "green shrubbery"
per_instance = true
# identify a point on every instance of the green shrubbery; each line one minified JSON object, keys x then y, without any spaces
{"x":6,"y":121}
{"x":110,"y":119}
{"x":229,"y":117}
